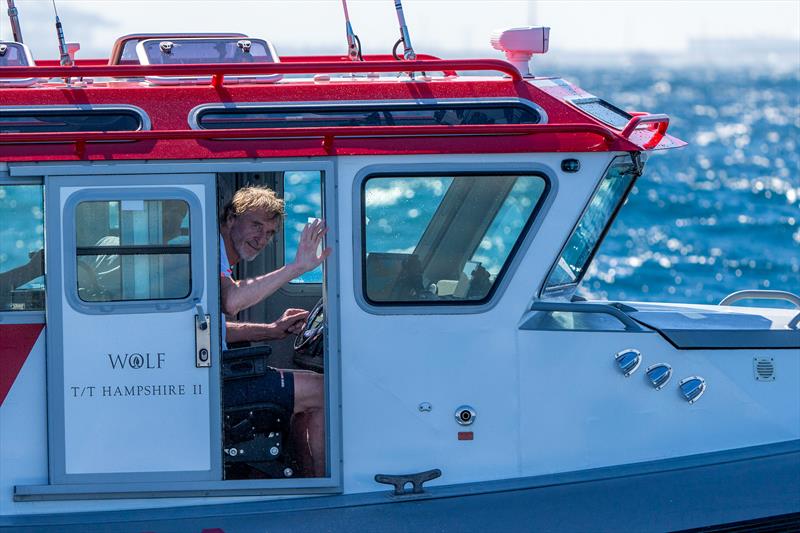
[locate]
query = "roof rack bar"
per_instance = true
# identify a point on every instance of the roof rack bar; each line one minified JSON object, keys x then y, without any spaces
{"x":366,"y":57}
{"x":326,"y":133}
{"x":243,"y":69}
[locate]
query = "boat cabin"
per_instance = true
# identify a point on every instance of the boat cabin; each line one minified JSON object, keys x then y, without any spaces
{"x":463,"y":200}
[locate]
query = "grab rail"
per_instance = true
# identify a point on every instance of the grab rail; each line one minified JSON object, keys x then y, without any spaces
{"x":637,"y":120}
{"x":326,"y":133}
{"x":219,"y":71}
{"x":595,"y":308}
{"x":761,"y":295}
{"x":660,"y":120}
{"x":757,"y":294}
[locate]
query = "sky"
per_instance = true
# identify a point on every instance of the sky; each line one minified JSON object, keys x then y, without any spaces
{"x":450,"y":27}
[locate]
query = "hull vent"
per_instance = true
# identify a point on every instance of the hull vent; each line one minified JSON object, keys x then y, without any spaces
{"x":764,"y":368}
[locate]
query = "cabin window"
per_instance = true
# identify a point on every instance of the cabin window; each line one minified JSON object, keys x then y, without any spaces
{"x":133,"y":250}
{"x":443,"y":240}
{"x":21,"y":248}
{"x":593,"y":225}
{"x":302,"y":193}
{"x":69,"y":120}
{"x":365,"y":114}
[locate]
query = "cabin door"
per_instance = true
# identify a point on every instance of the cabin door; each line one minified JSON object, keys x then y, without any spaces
{"x":133,"y":328}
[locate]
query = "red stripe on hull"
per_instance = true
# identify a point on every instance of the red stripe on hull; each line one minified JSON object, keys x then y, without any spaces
{"x":16,"y":342}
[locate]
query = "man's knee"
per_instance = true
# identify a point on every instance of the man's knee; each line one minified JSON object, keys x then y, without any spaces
{"x":308,"y":391}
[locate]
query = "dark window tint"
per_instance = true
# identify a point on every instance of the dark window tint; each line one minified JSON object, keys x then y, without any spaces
{"x":42,"y":120}
{"x":605,"y":112}
{"x":368,"y":115}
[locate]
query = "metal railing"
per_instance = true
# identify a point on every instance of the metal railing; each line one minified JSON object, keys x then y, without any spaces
{"x":325,"y":134}
{"x":756,"y":294}
{"x":219,"y":71}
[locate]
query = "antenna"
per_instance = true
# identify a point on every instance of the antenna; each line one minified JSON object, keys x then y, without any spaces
{"x":13,"y":14}
{"x":405,"y":38}
{"x":66,"y":60}
{"x":353,"y":42}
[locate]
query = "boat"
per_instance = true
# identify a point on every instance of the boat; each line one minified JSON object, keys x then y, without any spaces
{"x":466,"y":385}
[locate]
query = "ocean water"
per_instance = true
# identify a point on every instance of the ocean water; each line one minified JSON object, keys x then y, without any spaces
{"x":720,"y":215}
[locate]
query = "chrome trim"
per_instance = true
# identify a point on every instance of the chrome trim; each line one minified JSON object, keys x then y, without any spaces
{"x":628,"y":360}
{"x":465,"y":415}
{"x":596,"y":308}
{"x":659,"y":380}
{"x":193,"y":114}
{"x":692,"y":394}
{"x":761,"y":295}
{"x":146,"y":124}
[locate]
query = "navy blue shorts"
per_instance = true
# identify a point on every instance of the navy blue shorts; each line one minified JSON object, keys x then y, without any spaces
{"x":275,"y":386}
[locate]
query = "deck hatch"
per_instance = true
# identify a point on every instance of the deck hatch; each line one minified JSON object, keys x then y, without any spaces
{"x":193,"y":51}
{"x":368,"y":114}
{"x":603,"y":111}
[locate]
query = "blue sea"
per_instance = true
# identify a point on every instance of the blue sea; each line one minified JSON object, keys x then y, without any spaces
{"x":720,"y":215}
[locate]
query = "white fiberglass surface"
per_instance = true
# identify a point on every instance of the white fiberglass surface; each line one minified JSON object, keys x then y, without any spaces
{"x":129,"y":379}
{"x":579,"y":411}
{"x":396,"y":360}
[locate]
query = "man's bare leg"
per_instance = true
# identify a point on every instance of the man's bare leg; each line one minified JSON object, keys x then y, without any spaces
{"x":308,"y":422}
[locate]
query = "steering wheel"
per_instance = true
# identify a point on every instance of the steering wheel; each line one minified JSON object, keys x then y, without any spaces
{"x":309,"y":341}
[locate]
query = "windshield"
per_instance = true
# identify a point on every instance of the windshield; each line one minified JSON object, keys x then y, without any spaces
{"x":586,"y":236}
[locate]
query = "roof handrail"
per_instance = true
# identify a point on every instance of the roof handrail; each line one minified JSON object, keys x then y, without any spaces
{"x":326,"y":134}
{"x":660,"y":121}
{"x":309,"y":132}
{"x":219,"y":71}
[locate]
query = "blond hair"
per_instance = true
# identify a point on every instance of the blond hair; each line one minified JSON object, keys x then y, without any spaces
{"x":254,"y":198}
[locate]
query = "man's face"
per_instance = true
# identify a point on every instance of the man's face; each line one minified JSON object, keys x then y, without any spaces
{"x":251,"y":231}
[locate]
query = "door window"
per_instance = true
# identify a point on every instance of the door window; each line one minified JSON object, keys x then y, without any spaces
{"x":133,"y":250}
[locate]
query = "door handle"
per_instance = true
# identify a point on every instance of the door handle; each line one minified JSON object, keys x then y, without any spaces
{"x":202,"y":338}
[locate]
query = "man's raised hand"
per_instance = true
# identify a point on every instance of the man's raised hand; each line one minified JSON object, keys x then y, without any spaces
{"x":307,"y":259}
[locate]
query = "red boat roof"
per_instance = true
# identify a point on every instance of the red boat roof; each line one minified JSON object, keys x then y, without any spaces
{"x":568,"y":127}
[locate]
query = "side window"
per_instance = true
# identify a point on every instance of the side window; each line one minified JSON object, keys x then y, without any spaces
{"x":21,"y":248}
{"x":443,"y":239}
{"x":132,"y":250}
{"x":302,"y":192}
{"x":587,"y":235}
